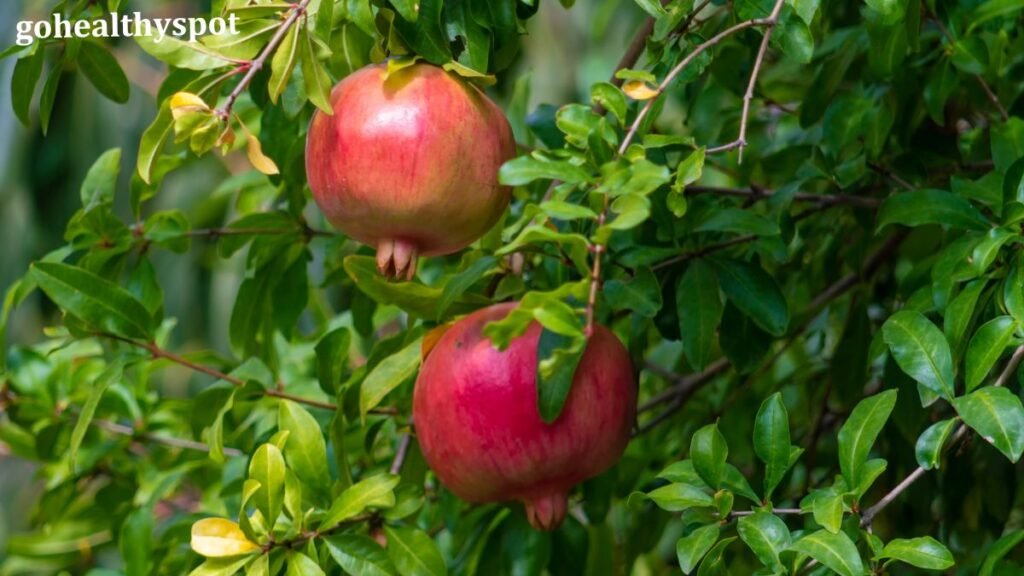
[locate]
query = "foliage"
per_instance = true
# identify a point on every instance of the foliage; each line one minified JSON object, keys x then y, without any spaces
{"x":783,"y":208}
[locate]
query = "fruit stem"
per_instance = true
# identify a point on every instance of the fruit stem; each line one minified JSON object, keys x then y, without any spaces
{"x":396,"y":258}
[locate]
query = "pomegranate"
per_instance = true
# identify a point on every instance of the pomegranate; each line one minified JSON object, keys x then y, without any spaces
{"x":476,"y":416}
{"x":409,"y":163}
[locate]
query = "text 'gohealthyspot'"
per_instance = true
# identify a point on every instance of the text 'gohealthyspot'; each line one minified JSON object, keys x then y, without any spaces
{"x":116,"y":25}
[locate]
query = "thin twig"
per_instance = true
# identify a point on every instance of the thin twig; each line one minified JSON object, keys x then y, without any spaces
{"x":121,"y":429}
{"x":759,"y":193}
{"x":892,"y":176}
{"x":252,"y":68}
{"x":741,"y":142}
{"x":780,"y":511}
{"x":400,"y":454}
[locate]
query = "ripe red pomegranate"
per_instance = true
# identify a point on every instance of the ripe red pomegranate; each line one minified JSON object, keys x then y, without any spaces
{"x":476,"y":416}
{"x":409,"y":163}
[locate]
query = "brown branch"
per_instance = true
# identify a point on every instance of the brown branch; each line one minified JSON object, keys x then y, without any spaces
{"x":741,"y":141}
{"x":780,"y":511}
{"x":759,"y":193}
{"x":121,"y":429}
{"x":400,"y":454}
{"x":892,"y":176}
{"x":214,"y":233}
{"x":252,"y":68}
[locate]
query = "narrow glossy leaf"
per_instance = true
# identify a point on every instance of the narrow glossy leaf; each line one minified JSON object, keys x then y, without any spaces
{"x":738,"y":221}
{"x":306,"y":451}
{"x":921,"y":351}
{"x":388,"y":375}
{"x":677,"y":497}
{"x":373,"y":492}
{"x":283,"y":62}
{"x":987,"y":345}
{"x":557,"y":358}
{"x":301,"y":565}
{"x":640,"y":295}
{"x":828,"y":510}
{"x":713,"y":561}
{"x":102,"y":69}
{"x":153,"y":140}
{"x":332,"y":357}
{"x":734,"y":480}
{"x":103,"y":305}
{"x":959,"y":313}
{"x":771,"y":441}
{"x":709,"y":451}
{"x":999,"y":549}
{"x":526,"y":169}
{"x":766,"y":535}
{"x":267,"y":468}
{"x":835,"y":551}
{"x":414,"y":553}
{"x":1013,"y":289}
{"x":699,"y":307}
{"x":109,"y":376}
{"x":223,"y":566}
{"x":136,"y":541}
{"x":359,"y":555}
{"x":997,"y":415}
{"x":860,"y":430}
{"x":99,"y":183}
{"x":924,"y":552}
{"x":27,"y":71}
{"x":930,"y":444}
{"x":754,"y":292}
{"x":458,"y":284}
{"x":217,"y":537}
{"x":930,"y":207}
{"x":49,"y":95}
{"x":318,"y":83}
{"x":690,"y":549}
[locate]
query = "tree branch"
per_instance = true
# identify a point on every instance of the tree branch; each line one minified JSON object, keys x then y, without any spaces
{"x":741,"y":141}
{"x":121,"y":429}
{"x":759,"y":193}
{"x":252,"y":68}
{"x":981,"y":80}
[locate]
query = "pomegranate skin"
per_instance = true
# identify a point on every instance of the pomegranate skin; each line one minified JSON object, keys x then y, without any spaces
{"x":409,"y":164}
{"x":477,"y":422}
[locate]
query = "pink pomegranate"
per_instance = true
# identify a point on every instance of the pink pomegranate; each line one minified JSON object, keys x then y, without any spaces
{"x":409,"y":163}
{"x":476,"y":417}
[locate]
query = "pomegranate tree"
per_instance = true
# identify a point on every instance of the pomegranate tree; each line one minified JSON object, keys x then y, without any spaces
{"x":477,"y":421}
{"x":409,"y":163}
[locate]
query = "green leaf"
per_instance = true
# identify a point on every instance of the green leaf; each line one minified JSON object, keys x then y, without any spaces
{"x":526,"y":169}
{"x":318,"y":84}
{"x":677,"y":497}
{"x":413,"y":297}
{"x":388,"y":375}
{"x":331,"y":358}
{"x":997,"y":415}
{"x":301,"y":565}
{"x":735,"y":481}
{"x":690,"y":549}
{"x":611,"y":98}
{"x":924,"y":552}
{"x":283,"y":63}
{"x":408,"y":9}
{"x":1007,"y":143}
{"x":267,"y":468}
{"x":27,"y":71}
{"x":652,"y":7}
{"x":414,"y":553}
{"x":153,"y":140}
{"x":713,"y":561}
{"x":458,"y":284}
{"x":373,"y":492}
{"x":709,"y":451}
{"x":835,"y":551}
{"x":359,"y":555}
{"x":754,"y":292}
{"x":930,"y":207}
{"x":738,"y":221}
{"x":558,"y":356}
{"x":699,"y":309}
{"x":136,"y":541}
{"x":991,"y":10}
{"x":921,"y":351}
{"x":796,"y":40}
{"x":828,"y":510}
{"x":859,"y":432}
{"x":987,"y":345}
{"x":100,"y":181}
{"x":306,"y":451}
{"x":49,"y":95}
{"x":109,"y":376}
{"x":766,"y":535}
{"x":998,"y":550}
{"x":102,"y":69}
{"x":771,"y":441}
{"x":960,"y":311}
{"x":640,"y":295}
{"x":929,"y":446}
{"x":103,"y":305}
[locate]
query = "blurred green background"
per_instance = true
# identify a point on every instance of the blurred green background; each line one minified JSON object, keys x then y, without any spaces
{"x":563,"y":53}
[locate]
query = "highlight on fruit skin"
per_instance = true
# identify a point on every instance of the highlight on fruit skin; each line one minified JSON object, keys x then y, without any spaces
{"x":477,"y":421}
{"x":409,"y":163}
